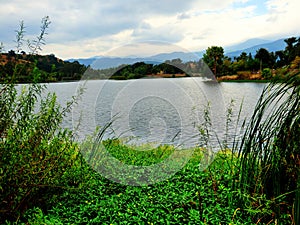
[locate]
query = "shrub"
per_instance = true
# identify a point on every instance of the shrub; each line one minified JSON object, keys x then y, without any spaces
{"x":267,"y":74}
{"x":34,"y":151}
{"x":244,"y":75}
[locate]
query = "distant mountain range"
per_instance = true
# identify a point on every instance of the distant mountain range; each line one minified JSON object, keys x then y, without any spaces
{"x":272,"y":46}
{"x":249,"y":46}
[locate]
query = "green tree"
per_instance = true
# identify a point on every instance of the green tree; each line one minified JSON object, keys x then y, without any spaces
{"x":266,"y":59}
{"x":214,"y":57}
{"x":292,"y":49}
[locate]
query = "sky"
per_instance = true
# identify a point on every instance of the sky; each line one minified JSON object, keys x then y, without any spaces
{"x":82,"y":29}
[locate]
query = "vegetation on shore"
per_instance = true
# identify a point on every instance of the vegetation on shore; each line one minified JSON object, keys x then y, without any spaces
{"x":50,"y":68}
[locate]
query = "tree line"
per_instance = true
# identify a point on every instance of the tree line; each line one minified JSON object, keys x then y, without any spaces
{"x":24,"y":68}
{"x":263,"y":65}
{"x":264,"y":62}
{"x":169,"y":68}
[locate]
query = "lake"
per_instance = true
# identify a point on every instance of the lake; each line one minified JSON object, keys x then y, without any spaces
{"x":158,"y":111}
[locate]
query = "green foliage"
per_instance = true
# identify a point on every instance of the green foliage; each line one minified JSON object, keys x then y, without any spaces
{"x":36,"y":45}
{"x":20,"y":37}
{"x":267,"y":74}
{"x":266,"y":59}
{"x":45,"y":180}
{"x":141,"y":69}
{"x":35,"y":152}
{"x":214,"y":57}
{"x":51,"y":68}
{"x":280,"y":60}
{"x":20,"y":66}
{"x":189,"y":197}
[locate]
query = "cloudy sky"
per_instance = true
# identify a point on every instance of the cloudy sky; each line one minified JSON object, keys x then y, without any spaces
{"x":96,"y":27}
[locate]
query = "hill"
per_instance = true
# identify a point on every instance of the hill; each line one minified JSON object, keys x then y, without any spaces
{"x":26,"y":68}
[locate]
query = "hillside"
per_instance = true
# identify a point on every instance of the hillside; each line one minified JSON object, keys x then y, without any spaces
{"x":26,"y":68}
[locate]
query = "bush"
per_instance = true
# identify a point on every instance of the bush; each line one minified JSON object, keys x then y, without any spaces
{"x":244,"y":75}
{"x":34,"y":151}
{"x":267,"y":74}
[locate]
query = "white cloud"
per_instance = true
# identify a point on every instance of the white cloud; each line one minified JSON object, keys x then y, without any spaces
{"x":92,"y":27}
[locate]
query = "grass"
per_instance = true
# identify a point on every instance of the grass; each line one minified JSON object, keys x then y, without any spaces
{"x":269,"y":149}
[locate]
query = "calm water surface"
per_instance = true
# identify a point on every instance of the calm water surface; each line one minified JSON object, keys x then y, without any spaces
{"x":157,"y":110}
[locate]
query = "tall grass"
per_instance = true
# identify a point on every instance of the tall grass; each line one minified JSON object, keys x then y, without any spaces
{"x":269,"y":150}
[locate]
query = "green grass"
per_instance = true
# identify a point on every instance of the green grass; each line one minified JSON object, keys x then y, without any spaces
{"x":269,"y":150}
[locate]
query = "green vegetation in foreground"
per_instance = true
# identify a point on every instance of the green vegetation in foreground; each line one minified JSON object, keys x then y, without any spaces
{"x":190,"y":196}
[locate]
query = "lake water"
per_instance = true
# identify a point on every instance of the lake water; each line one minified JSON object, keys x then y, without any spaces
{"x":159,"y":111}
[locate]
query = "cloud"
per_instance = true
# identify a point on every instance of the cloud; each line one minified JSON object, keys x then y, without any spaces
{"x":183,"y":16}
{"x":92,"y":27}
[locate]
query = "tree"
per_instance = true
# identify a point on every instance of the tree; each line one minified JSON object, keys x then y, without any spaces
{"x":267,"y":60}
{"x":214,"y":57}
{"x":282,"y":58}
{"x":292,"y":49}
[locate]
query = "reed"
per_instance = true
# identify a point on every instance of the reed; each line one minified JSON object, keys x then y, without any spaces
{"x":269,"y":150}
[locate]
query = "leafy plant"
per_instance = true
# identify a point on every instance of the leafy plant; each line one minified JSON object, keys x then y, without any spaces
{"x":36,"y":154}
{"x":35,"y":151}
{"x":266,"y":73}
{"x":36,"y":45}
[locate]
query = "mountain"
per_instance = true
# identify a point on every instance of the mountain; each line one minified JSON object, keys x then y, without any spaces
{"x":86,"y":62}
{"x":249,"y":46}
{"x":270,"y":46}
{"x":110,"y":62}
{"x":184,"y":56}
